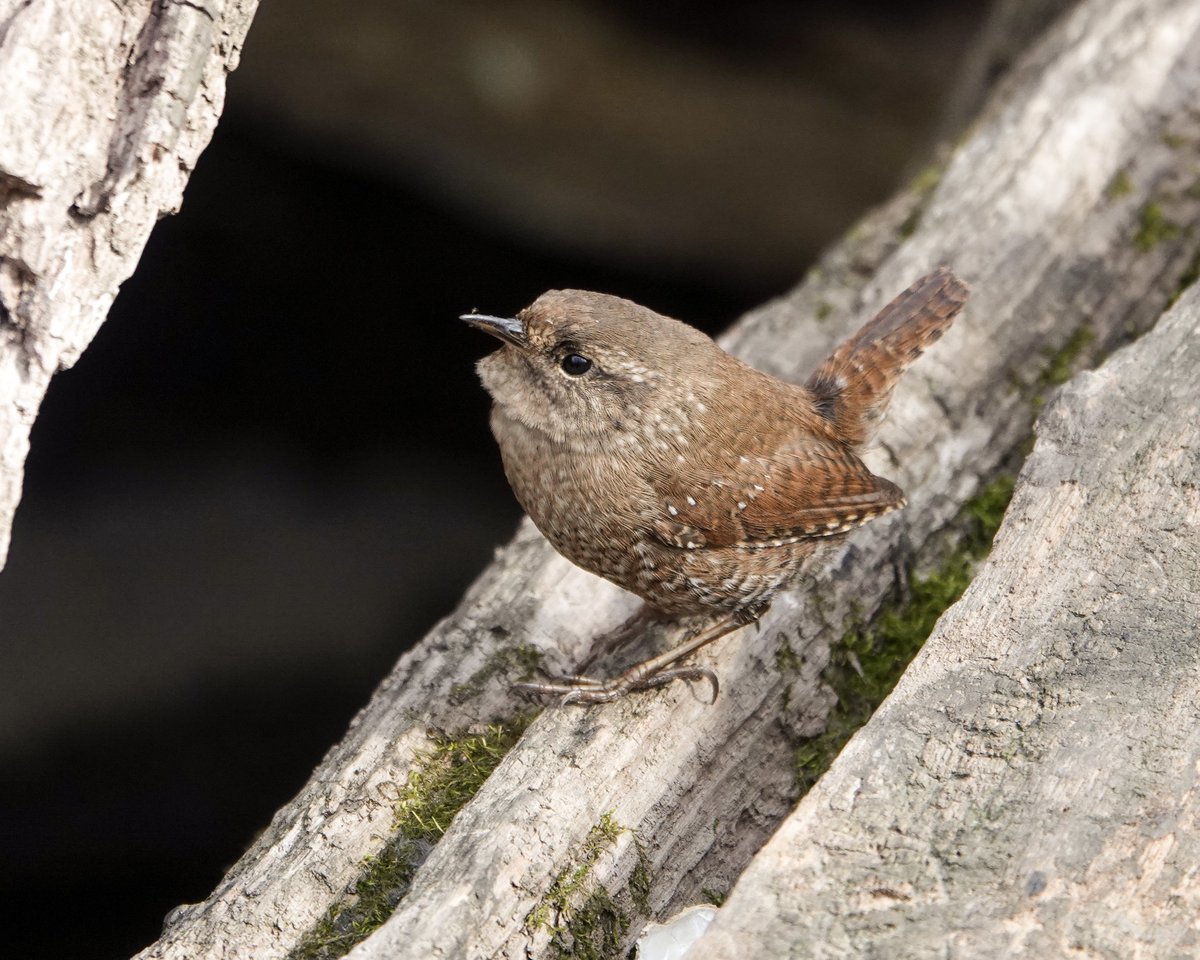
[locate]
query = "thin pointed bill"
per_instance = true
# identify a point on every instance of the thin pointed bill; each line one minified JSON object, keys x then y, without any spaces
{"x":503,"y":328}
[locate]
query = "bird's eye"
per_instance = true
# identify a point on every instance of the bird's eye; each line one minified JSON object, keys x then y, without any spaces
{"x":576,"y":365}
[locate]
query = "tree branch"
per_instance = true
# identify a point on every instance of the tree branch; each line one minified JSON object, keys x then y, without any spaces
{"x":106,"y":109}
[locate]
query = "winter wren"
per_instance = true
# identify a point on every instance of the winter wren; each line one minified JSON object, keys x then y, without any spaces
{"x":648,"y":455}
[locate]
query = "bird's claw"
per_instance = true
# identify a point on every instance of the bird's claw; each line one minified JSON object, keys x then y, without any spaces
{"x":588,"y":690}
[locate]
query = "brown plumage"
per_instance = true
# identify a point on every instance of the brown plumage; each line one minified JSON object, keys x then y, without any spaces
{"x":646,"y":454}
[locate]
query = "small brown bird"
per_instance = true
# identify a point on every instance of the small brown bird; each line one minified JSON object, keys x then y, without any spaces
{"x":648,"y":455}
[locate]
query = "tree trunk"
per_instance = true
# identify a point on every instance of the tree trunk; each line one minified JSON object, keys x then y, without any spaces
{"x":106,"y":108}
{"x":1071,"y":208}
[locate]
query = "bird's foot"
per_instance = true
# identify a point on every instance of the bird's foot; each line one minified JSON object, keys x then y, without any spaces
{"x":644,"y":618}
{"x":587,"y":690}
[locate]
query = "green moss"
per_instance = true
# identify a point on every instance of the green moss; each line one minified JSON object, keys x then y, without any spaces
{"x":865,"y":665}
{"x":927,"y":180}
{"x":1062,"y":364}
{"x":922,"y":185}
{"x":595,"y":931}
{"x":567,"y":884}
{"x":1119,"y":186}
{"x":1190,"y":276}
{"x":1154,"y":228}
{"x":448,"y":775}
{"x":824,"y":309}
{"x":787,"y":660}
{"x":641,"y":879}
{"x":1174,"y":140}
{"x":582,"y":917}
{"x":910,"y":223}
{"x":441,"y":782}
{"x":711,"y":896}
{"x":519,"y":662}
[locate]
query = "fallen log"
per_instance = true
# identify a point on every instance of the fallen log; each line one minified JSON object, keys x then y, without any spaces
{"x":1069,"y":208}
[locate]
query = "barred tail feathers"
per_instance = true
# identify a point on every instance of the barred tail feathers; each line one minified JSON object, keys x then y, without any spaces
{"x":853,"y":386}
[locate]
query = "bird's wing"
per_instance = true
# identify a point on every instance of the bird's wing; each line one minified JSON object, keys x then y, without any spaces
{"x":813,"y":488}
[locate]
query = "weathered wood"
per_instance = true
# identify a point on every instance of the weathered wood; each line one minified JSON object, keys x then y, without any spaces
{"x":1029,"y":789}
{"x":105,"y":108}
{"x":1025,"y":211}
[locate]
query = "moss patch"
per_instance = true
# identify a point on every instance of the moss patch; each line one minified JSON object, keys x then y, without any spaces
{"x":441,"y":782}
{"x":519,"y":662}
{"x":1190,"y":276}
{"x":641,"y":879}
{"x":583,"y":918}
{"x":1062,"y":364}
{"x":1154,"y":228}
{"x":865,"y":665}
{"x":787,"y":660}
{"x":928,"y":179}
{"x":923,"y":185}
{"x":1119,"y":186}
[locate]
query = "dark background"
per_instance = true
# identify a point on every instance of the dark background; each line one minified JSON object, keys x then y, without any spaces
{"x":271,"y":472}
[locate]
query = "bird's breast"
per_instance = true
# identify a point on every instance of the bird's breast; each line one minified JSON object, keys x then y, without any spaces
{"x":586,"y":502}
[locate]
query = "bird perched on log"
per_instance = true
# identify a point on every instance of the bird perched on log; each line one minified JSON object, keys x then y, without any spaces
{"x":648,"y":455}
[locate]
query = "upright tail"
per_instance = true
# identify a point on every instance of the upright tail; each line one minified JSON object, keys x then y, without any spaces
{"x":854,"y":384}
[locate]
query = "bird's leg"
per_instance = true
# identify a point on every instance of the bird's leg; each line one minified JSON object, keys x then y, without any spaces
{"x":634,"y":626}
{"x":654,"y":672}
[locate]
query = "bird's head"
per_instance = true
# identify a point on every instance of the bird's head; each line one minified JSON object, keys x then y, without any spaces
{"x":582,"y":366}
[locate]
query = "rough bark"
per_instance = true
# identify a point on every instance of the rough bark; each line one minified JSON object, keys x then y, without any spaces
{"x":105,"y":109}
{"x":1027,"y":212}
{"x":1029,"y":789}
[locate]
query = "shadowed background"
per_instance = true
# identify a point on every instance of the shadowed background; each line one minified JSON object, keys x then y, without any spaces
{"x":271,"y":471}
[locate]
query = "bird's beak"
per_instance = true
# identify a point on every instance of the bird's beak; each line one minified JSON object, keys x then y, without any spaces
{"x":510,"y":331}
